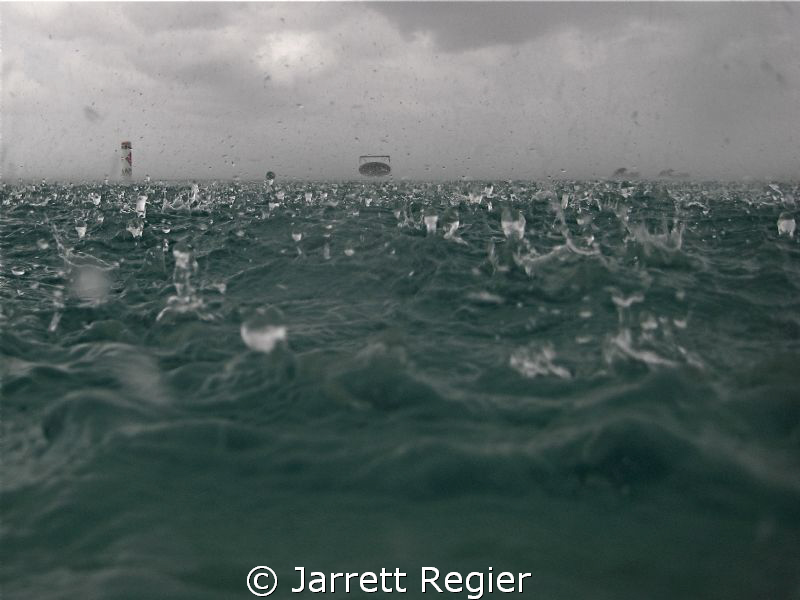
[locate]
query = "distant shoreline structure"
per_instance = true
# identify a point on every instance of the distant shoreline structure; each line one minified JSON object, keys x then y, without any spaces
{"x":544,"y":180}
{"x":127,"y":161}
{"x":374,"y":165}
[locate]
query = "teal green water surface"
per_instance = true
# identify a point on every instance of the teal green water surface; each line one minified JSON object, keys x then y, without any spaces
{"x":594,"y":382}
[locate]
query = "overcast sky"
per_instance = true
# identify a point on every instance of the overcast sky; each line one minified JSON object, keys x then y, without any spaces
{"x":482,"y":90}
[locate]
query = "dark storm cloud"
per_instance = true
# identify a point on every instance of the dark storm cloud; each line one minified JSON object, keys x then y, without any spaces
{"x":457,"y":26}
{"x":171,"y":16}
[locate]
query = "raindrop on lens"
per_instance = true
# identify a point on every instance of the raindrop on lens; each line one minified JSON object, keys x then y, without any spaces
{"x":264,"y":331}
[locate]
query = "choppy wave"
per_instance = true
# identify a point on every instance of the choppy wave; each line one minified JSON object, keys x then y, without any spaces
{"x":597,"y":381}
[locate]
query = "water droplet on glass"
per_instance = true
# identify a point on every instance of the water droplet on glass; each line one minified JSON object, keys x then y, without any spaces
{"x":91,"y":283}
{"x":265,"y":330}
{"x":262,"y":337}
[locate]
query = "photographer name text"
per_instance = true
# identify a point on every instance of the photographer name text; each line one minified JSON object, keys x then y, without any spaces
{"x":262,"y":581}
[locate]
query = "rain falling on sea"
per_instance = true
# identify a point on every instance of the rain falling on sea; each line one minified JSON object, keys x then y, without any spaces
{"x":597,"y":382}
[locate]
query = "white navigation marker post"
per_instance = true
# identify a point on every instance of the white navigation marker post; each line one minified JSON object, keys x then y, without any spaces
{"x":127,"y":161}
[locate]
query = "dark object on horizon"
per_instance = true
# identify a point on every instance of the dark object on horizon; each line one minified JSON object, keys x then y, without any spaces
{"x":374,"y":166}
{"x":127,"y":160}
{"x":672,"y":174}
{"x":270,"y":175}
{"x":623,"y":172}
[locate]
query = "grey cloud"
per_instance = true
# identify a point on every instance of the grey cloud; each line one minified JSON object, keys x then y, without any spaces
{"x":457,"y":26}
{"x":504,"y":90}
{"x":173,"y":16}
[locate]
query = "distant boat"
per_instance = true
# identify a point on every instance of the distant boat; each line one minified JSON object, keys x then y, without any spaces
{"x":374,"y":166}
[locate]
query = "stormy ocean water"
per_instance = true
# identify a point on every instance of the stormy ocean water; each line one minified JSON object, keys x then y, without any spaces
{"x":595,"y":382}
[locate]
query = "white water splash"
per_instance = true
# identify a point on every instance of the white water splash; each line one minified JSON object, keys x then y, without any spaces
{"x":623,"y":302}
{"x":135,"y":227}
{"x":786,"y":225}
{"x":185,"y":298}
{"x":531,"y":259}
{"x":531,"y":362}
{"x":622,"y":345}
{"x":484,"y":297}
{"x":58,"y":305}
{"x":669,"y":241}
{"x":513,"y":224}
{"x":141,"y":207}
{"x":451,"y":232}
{"x":430,"y":223}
